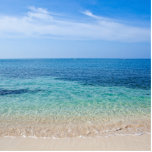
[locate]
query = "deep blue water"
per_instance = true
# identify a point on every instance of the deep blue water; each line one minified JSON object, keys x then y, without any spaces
{"x":130,"y":73}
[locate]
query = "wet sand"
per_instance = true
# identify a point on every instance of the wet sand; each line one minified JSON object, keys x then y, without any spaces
{"x":128,"y":142}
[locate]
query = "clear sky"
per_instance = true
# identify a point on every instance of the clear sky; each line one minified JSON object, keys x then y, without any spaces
{"x":75,"y":28}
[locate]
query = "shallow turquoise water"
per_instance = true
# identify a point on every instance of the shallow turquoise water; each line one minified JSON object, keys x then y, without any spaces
{"x":48,"y":96}
{"x":37,"y":94}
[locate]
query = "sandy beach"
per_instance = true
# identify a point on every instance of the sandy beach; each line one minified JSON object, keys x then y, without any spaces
{"x":128,"y":142}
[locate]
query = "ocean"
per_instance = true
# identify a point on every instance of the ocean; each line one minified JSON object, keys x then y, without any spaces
{"x":60,"y":98}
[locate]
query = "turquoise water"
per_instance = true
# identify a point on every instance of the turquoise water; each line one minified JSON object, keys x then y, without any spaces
{"x":74,"y":97}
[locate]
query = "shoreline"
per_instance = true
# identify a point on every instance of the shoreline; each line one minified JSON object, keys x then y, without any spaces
{"x":118,"y":142}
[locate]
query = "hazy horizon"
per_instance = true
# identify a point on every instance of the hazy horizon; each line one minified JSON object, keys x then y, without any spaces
{"x":71,"y":58}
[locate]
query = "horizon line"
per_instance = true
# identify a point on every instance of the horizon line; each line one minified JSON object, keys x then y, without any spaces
{"x":66,"y":58}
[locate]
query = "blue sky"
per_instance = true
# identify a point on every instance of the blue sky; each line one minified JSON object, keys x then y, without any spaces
{"x":75,"y":28}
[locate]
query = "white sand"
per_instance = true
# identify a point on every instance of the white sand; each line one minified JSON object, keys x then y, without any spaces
{"x":91,"y":143}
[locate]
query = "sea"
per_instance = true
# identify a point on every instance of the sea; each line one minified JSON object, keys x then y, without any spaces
{"x":60,"y":98}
